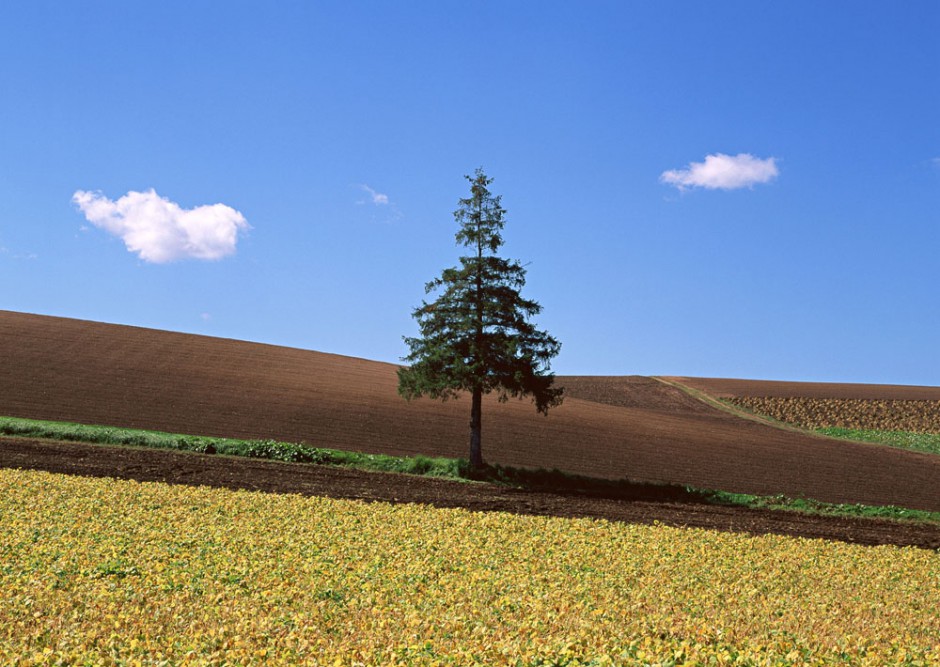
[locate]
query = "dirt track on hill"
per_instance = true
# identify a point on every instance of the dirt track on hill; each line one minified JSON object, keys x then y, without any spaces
{"x":633,"y":427}
{"x":268,"y":476}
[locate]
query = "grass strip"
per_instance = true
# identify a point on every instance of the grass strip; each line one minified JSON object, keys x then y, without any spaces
{"x":816,"y":507}
{"x":259,"y":449}
{"x":918,"y":442}
{"x":457,"y":469}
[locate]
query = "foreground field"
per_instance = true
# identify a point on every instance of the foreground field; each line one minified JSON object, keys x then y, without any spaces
{"x":123,"y":573}
{"x":628,"y":427}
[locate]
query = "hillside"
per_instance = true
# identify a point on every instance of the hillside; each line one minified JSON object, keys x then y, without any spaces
{"x":634,"y":427}
{"x":729,"y":388}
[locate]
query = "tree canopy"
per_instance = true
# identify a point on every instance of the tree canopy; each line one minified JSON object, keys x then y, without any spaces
{"x":476,"y":337}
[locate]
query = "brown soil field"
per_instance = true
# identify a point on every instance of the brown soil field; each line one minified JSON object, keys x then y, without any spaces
{"x":729,"y":388}
{"x":631,"y":427}
{"x":150,"y":465}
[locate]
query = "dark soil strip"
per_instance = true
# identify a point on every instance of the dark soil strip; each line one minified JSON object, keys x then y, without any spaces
{"x":273,"y":477}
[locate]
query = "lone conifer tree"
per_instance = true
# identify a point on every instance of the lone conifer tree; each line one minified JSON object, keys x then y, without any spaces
{"x":476,"y":337}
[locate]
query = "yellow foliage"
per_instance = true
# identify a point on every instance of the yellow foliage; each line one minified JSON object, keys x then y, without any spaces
{"x":97,"y":571}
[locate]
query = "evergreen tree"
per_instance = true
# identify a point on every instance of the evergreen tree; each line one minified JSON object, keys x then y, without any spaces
{"x":476,"y":336}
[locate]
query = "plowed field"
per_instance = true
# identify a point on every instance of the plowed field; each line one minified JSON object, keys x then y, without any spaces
{"x":632,"y":427}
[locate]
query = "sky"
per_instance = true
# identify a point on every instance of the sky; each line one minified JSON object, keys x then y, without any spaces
{"x":723,"y":189}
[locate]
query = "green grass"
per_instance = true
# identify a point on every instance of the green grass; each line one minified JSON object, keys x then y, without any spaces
{"x":810,"y":506}
{"x":919,"y":442}
{"x":458,"y":469}
{"x":260,"y":449}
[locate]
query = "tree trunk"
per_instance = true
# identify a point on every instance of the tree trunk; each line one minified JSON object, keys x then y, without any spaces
{"x":476,"y":429}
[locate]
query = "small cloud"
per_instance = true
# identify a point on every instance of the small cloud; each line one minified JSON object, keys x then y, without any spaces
{"x":723,"y":172}
{"x":18,"y":255}
{"x":159,"y":230}
{"x":205,"y":317}
{"x":376,"y":198}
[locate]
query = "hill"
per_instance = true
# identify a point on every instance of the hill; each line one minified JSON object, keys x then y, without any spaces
{"x":625,"y":427}
{"x":729,"y":388}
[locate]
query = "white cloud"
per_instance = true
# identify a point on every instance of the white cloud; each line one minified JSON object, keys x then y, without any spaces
{"x":376,"y":198}
{"x":159,"y":231}
{"x":723,"y":172}
{"x":18,"y":255}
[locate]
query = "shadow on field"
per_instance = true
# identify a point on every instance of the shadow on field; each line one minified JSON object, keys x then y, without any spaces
{"x":556,"y":481}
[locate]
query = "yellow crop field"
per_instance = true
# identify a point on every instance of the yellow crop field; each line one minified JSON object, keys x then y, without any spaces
{"x":883,"y":415}
{"x":96,"y":571}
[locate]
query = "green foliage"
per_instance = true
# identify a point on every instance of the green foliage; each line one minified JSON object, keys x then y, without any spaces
{"x":920,"y":442}
{"x":261,"y":449}
{"x":810,"y":506}
{"x":476,"y":336}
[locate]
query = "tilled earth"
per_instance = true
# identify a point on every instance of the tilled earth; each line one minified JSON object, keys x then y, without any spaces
{"x":608,"y":427}
{"x":273,"y":477}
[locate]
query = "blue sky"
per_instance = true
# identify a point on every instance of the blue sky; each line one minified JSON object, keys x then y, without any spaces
{"x":736,"y":189}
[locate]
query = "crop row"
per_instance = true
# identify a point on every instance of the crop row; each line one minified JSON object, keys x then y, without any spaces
{"x":815,"y":413}
{"x":97,"y":571}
